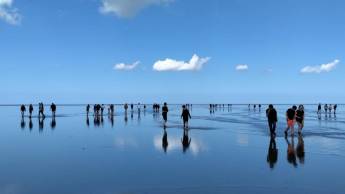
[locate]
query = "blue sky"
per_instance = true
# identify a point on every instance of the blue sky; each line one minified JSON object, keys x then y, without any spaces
{"x":245,"y":51}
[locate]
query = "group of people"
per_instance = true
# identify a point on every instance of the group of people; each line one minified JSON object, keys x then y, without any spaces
{"x":214,"y":107}
{"x":40,"y":110}
{"x":327,"y":108}
{"x":254,"y":106}
{"x":293,"y":115}
{"x":185,"y":115}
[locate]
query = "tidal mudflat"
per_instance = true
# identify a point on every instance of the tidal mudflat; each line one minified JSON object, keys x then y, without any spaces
{"x":223,"y":152}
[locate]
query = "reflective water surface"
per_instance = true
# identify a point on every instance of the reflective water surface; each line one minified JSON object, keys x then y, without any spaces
{"x":229,"y":151}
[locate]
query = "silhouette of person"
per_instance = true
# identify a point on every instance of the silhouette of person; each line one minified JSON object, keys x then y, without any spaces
{"x":41,"y":110}
{"x":132,"y":106}
{"x":102,"y":109}
{"x":125,"y":107}
{"x":185,"y":116}
{"x":326,"y":108}
{"x":31,"y":109}
{"x":165,"y":140}
{"x":53,"y":109}
{"x":165,"y":111}
{"x":112,"y":109}
{"x":319,"y":109}
{"x":335,"y":109}
{"x":22,"y":109}
{"x":300,"y":149}
{"x":290,"y":119}
{"x":291,"y":154}
{"x":272,"y":155}
{"x":53,"y":123}
{"x":272,"y":118}
{"x":186,"y":140}
{"x":87,"y":110}
{"x":22,"y":123}
{"x":300,"y":118}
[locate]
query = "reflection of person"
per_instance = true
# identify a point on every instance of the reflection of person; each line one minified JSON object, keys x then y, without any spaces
{"x":185,"y":116}
{"x":185,"y":140}
{"x":272,"y":156}
{"x":300,"y":149}
{"x":272,"y":118}
{"x":165,"y":111}
{"x":165,"y":140}
{"x":31,"y":125}
{"x":41,"y":123}
{"x":53,"y":123}
{"x":291,"y":154}
{"x":22,"y":123}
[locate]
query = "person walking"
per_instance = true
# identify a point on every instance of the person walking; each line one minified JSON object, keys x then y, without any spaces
{"x":22,"y":109}
{"x":53,"y":109}
{"x":300,"y":118}
{"x":87,"y":109}
{"x":165,"y":111}
{"x":31,"y":109}
{"x":290,"y":119}
{"x":272,"y":118}
{"x":185,"y":116}
{"x":41,"y":110}
{"x":319,"y":109}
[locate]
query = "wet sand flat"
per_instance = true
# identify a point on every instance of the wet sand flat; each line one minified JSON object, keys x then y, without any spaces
{"x":223,"y":152}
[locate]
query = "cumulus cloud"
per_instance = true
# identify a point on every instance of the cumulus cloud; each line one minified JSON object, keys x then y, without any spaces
{"x":242,"y":67}
{"x":128,"y":8}
{"x":8,"y":13}
{"x":126,"y":67}
{"x":194,"y":64}
{"x":320,"y":68}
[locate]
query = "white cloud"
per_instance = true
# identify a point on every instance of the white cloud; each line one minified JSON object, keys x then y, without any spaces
{"x":194,"y":64}
{"x":8,"y":13}
{"x":126,"y":67}
{"x":128,"y":8}
{"x":242,"y":67}
{"x":320,"y":68}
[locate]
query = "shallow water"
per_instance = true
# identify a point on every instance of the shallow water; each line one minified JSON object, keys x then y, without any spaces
{"x":228,"y":153}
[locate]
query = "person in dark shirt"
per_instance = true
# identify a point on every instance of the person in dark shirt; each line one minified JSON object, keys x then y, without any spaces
{"x":22,"y":109}
{"x":185,"y":116}
{"x":319,"y":109}
{"x":272,"y":118}
{"x":31,"y":109}
{"x":290,"y":119}
{"x":165,"y":111}
{"x":300,"y":118}
{"x":53,"y":109}
{"x":87,"y":109}
{"x":335,"y":108}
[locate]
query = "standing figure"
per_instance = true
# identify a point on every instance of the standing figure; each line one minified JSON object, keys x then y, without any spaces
{"x":53,"y":109}
{"x":319,"y":109}
{"x":300,"y":118}
{"x":41,"y":110}
{"x":87,"y":110}
{"x":330,"y":109}
{"x":165,"y":111}
{"x":326,"y":108}
{"x":112,"y":109}
{"x":125,"y":107}
{"x":290,"y":119}
{"x":185,"y":116}
{"x":22,"y":109}
{"x":335,"y":109}
{"x":272,"y":118}
{"x":31,"y":109}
